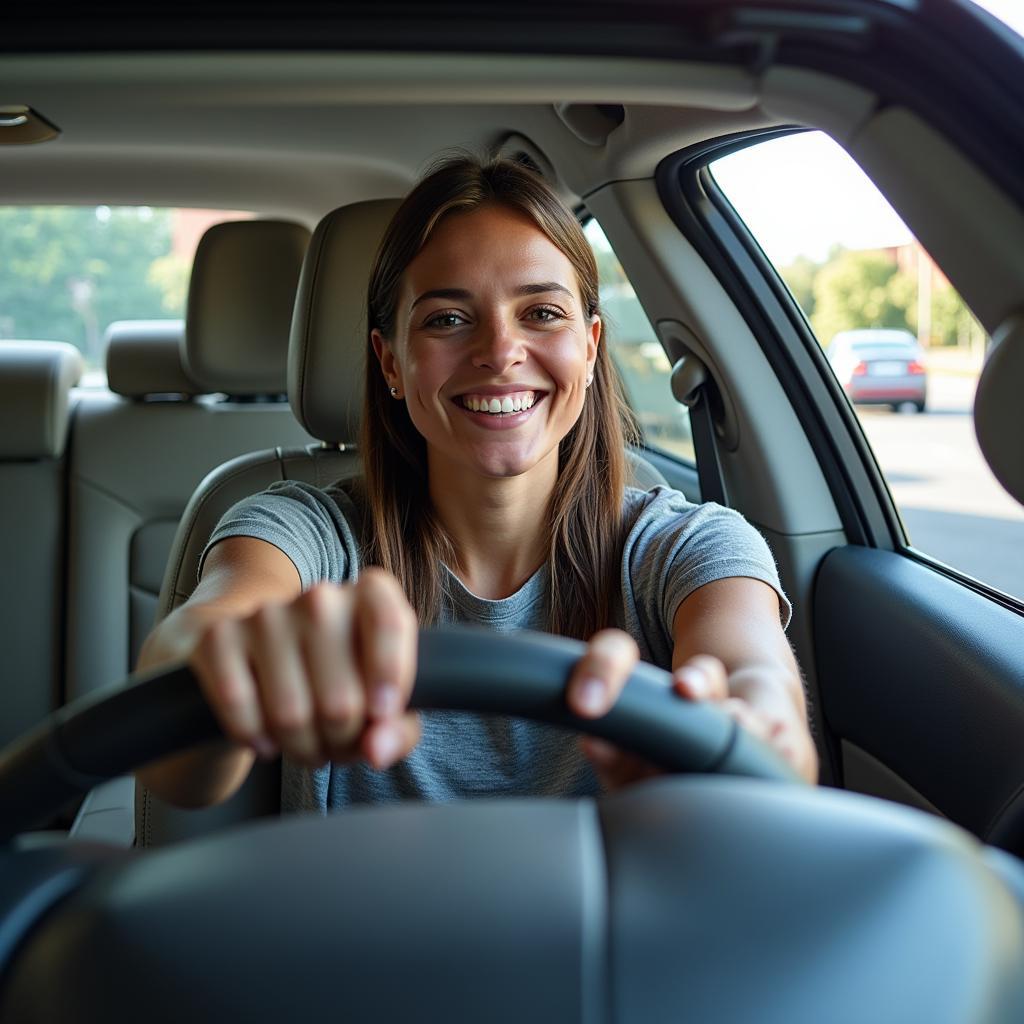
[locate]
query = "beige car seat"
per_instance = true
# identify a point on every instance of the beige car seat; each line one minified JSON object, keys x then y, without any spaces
{"x":325,"y":368}
{"x":36,"y":378}
{"x":179,"y":404}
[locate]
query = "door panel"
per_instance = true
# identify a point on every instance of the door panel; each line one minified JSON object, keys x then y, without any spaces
{"x":927,"y":677}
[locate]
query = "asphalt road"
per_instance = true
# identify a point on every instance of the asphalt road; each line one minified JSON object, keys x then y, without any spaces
{"x":952,"y":506}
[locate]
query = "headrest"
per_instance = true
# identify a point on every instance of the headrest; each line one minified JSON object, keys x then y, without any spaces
{"x":144,"y":358}
{"x":328,"y":343}
{"x":35,"y":378}
{"x":240,"y":301}
{"x":998,"y":409}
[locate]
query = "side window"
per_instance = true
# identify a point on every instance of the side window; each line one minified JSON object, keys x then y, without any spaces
{"x":903,"y":345}
{"x":638,"y":356}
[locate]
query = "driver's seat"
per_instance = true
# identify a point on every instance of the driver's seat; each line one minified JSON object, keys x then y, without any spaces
{"x":325,"y":374}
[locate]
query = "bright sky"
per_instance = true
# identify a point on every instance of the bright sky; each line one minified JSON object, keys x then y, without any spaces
{"x":803,"y":194}
{"x":1011,"y":11}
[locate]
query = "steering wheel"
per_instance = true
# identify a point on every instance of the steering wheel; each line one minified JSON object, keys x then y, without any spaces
{"x":638,"y":906}
{"x":114,"y":731}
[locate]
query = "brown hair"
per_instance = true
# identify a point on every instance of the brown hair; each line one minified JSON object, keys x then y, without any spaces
{"x":403,"y":533}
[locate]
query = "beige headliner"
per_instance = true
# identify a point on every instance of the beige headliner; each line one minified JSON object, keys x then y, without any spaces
{"x":296,"y":135}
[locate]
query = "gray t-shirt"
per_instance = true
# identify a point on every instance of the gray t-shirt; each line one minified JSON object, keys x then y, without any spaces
{"x":672,"y":547}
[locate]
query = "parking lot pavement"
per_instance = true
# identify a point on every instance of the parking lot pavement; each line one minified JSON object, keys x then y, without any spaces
{"x":953,"y":507}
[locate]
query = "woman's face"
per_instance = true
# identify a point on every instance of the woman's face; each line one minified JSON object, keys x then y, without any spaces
{"x":492,"y":346}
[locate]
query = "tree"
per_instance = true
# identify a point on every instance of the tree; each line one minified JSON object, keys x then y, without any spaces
{"x":860,"y":289}
{"x":952,"y":322}
{"x":170,"y":274}
{"x":799,"y":277}
{"x":70,"y":271}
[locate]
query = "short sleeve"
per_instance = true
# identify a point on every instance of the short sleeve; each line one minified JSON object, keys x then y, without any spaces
{"x":675,"y":547}
{"x":306,"y":523}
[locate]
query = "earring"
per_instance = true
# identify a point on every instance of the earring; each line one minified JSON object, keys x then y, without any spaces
{"x":394,"y":392}
{"x":590,"y":380}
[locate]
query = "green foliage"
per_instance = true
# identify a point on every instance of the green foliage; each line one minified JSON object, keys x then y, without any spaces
{"x":856,"y":289}
{"x":859,"y":289}
{"x":799,"y":277}
{"x":70,"y":271}
{"x":952,"y":322}
{"x":170,"y":275}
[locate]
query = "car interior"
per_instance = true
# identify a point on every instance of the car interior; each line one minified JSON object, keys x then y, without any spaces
{"x":892,"y":891}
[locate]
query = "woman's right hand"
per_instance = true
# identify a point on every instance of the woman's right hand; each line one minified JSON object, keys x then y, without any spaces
{"x":326,"y":676}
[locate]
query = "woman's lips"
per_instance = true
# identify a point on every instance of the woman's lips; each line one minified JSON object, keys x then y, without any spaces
{"x":500,"y":420}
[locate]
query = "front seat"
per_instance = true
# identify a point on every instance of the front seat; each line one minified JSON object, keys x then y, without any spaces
{"x":325,"y":376}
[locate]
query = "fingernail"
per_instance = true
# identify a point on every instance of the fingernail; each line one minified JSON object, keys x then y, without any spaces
{"x":591,"y":695}
{"x":385,"y":700}
{"x":265,"y":748}
{"x":695,"y":681}
{"x":386,"y":745}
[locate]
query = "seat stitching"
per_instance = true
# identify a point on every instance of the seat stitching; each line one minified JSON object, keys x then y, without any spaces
{"x":83,"y":481}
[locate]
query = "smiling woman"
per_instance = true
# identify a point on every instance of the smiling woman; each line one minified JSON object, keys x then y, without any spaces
{"x":527,"y":324}
{"x":483,"y":296}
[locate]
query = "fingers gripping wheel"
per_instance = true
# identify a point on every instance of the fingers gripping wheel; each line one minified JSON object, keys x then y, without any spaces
{"x":118,"y":730}
{"x":527,"y":674}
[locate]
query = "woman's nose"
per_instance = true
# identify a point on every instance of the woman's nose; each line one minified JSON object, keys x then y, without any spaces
{"x":498,"y":347}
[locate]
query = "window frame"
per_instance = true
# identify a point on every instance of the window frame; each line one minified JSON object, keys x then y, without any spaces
{"x":705,"y":215}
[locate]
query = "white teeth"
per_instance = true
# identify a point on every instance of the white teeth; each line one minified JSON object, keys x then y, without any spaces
{"x":500,"y":406}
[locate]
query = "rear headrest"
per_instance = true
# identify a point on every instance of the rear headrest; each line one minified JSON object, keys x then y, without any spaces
{"x":144,"y":358}
{"x":240,"y":302}
{"x":35,"y":378}
{"x":328,"y":342}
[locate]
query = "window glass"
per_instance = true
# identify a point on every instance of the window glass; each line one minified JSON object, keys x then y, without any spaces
{"x":70,"y":271}
{"x":638,"y":355}
{"x":903,"y":345}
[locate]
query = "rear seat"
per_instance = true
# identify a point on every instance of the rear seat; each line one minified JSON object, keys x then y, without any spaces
{"x":36,"y":378}
{"x":179,"y":405}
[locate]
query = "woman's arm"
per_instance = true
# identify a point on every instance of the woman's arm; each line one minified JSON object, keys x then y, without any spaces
{"x":729,"y":647}
{"x":321,"y":675}
{"x":239,"y":575}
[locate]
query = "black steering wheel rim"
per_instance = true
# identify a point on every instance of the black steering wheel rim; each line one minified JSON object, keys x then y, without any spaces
{"x":117,"y":730}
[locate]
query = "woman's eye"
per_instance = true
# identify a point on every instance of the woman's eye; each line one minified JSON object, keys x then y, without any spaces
{"x":546,"y":314}
{"x":448,"y":318}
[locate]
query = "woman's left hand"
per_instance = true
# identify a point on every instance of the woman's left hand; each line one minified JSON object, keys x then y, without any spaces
{"x":601,"y":674}
{"x":594,"y":688}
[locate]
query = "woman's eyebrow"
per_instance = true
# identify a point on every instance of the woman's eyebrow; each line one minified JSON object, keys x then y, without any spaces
{"x":441,"y":293}
{"x":543,"y":286}
{"x":462,"y":293}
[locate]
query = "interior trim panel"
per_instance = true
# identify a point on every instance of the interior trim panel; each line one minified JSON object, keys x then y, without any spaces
{"x":935,"y":691}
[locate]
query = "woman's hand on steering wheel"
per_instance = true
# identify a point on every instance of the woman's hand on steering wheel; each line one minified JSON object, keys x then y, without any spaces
{"x":603,"y":671}
{"x":325,"y":677}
